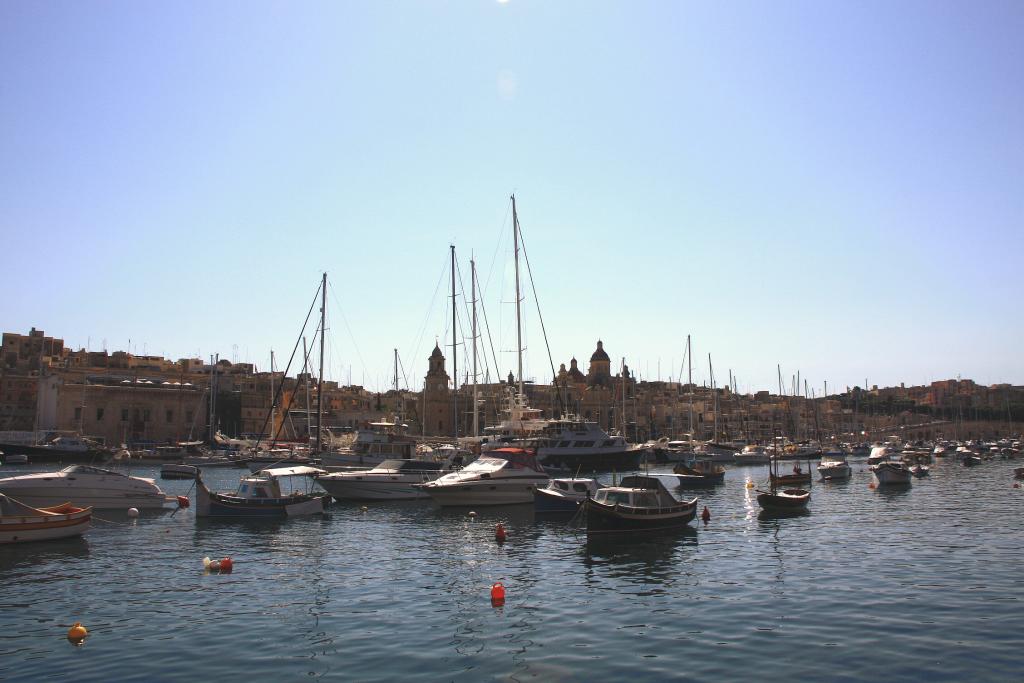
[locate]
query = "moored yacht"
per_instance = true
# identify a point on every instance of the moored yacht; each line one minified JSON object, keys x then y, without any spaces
{"x":85,"y":486}
{"x":374,"y":444}
{"x":504,"y":476}
{"x":580,"y":445}
{"x":892,"y":473}
{"x":833,"y":467}
{"x":390,"y":480}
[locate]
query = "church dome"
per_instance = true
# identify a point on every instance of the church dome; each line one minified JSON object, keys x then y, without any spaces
{"x":599,"y":354}
{"x":437,"y":352}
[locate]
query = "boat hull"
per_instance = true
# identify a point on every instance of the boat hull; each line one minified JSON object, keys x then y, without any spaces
{"x":835,"y":472}
{"x":61,"y":522}
{"x":892,"y":476}
{"x":44,"y":454}
{"x":790,"y":500}
{"x":553,"y":502}
{"x":54,"y":493}
{"x":369,"y":489}
{"x":605,"y":519}
{"x":476,"y":493}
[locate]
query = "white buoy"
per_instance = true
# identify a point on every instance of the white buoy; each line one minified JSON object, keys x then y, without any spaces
{"x":364,"y":508}
{"x":133,"y":512}
{"x":472,"y":513}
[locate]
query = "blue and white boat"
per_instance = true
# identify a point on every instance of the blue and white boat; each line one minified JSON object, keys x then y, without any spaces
{"x":260,"y":495}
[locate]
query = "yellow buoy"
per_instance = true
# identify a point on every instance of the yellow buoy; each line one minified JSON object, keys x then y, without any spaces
{"x":77,"y":633}
{"x":750,"y":484}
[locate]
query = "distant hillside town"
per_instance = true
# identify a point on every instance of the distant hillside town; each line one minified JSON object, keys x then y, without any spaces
{"x":122,"y":398}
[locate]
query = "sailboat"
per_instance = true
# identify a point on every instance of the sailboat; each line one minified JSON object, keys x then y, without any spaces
{"x":260,"y":494}
{"x":781,"y":501}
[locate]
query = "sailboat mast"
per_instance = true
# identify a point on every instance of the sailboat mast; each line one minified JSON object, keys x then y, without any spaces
{"x":472,"y":287}
{"x":689,"y":382}
{"x":320,"y":378}
{"x":519,"y":324}
{"x":455,"y":372}
{"x":273,"y":412}
{"x":623,"y":397}
{"x":305,"y":371}
{"x":714,"y":394}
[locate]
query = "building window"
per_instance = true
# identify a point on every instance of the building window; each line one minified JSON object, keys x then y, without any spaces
{"x":145,"y":415}
{"x":78,"y":413}
{"x":170,"y":416}
{"x":124,"y":414}
{"x":99,"y":414}
{"x":188,"y":417}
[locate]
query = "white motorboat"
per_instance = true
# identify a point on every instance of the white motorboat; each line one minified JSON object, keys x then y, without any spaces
{"x":833,"y":467}
{"x":880,"y":453}
{"x":504,"y":476}
{"x":752,"y":455}
{"x":892,"y":473}
{"x":390,"y":480}
{"x":564,"y":494}
{"x":85,"y":486}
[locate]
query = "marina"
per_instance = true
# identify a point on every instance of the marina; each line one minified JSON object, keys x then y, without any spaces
{"x":928,"y":590}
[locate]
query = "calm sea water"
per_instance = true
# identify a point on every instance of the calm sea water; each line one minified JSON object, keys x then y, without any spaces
{"x":909,"y":585}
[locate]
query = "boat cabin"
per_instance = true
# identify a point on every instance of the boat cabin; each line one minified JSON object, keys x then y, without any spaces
{"x":266,"y":484}
{"x":637,"y":491}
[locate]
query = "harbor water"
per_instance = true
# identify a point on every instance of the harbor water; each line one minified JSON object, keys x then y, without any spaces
{"x":914,"y":584}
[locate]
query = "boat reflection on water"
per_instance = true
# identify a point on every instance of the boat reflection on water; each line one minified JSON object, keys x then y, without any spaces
{"x":766,"y":515}
{"x":59,"y":551}
{"x":640,"y":558}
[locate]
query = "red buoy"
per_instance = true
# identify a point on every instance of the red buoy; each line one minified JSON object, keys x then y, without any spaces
{"x":226,"y":564}
{"x":706,"y":515}
{"x":499,"y":533}
{"x":183,"y":501}
{"x":497,"y":595}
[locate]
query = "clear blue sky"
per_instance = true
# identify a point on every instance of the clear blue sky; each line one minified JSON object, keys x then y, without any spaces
{"x":836,"y":187}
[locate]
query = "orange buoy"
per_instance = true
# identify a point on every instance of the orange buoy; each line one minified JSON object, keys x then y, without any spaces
{"x":77,"y":633}
{"x":871,"y":485}
{"x":499,"y":533}
{"x":183,"y":502}
{"x":497,"y":594}
{"x":706,"y":515}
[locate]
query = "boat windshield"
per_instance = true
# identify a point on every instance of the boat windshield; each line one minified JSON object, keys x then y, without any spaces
{"x":88,"y":469}
{"x":613,"y":497}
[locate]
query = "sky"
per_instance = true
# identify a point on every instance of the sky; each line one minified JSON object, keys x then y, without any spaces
{"x":835,"y":188}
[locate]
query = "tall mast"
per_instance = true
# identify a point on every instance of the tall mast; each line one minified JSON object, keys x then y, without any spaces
{"x":320,"y":378}
{"x":519,"y":326}
{"x":623,"y":397}
{"x":273,"y":412}
{"x":476,"y":414}
{"x":305,"y":371}
{"x":689,"y":383}
{"x":714,"y":395}
{"x":455,"y":372}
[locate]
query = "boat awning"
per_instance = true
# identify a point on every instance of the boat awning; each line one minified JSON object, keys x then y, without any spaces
{"x":301,"y":470}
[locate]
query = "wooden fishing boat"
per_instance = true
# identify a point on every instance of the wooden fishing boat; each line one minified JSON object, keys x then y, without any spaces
{"x":779,"y":500}
{"x":638,"y":504}
{"x":259,"y":495}
{"x":20,"y":523}
{"x":783,"y":500}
